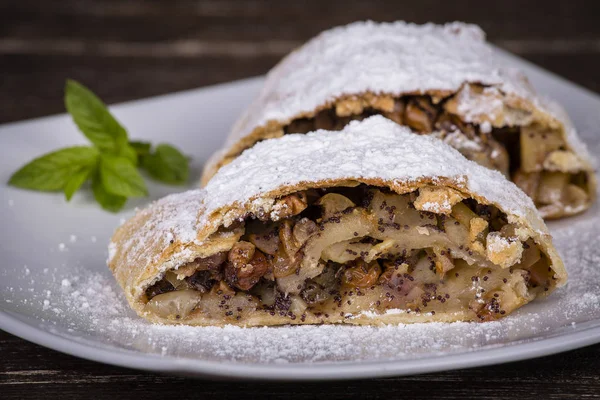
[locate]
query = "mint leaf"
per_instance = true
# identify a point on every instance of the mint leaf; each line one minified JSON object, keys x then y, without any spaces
{"x":52,"y":171}
{"x":93,"y":118}
{"x":108,"y":201}
{"x":141,"y":148}
{"x":129,"y":153}
{"x":167,"y":164}
{"x":75,"y":182}
{"x":120,"y":177}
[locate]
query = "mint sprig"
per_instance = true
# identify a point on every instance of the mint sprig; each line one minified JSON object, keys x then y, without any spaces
{"x":112,"y":162}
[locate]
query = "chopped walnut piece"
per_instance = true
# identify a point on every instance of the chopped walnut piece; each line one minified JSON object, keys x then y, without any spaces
{"x":241,"y":253}
{"x":287,"y":259}
{"x":396,"y":114}
{"x":211,"y":263}
{"x":289,"y":206}
{"x":246,"y":265}
{"x":504,"y":252}
{"x":381,"y":102}
{"x":288,"y":245}
{"x":347,"y":107}
{"x":420,"y":114}
{"x":438,"y":200}
{"x":451,"y":123}
{"x":354,"y":106}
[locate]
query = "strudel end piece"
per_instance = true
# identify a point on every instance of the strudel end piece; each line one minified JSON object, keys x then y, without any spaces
{"x":370,"y":225}
{"x":440,"y":80}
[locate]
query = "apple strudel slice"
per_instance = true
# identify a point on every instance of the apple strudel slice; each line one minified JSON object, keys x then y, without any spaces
{"x":370,"y":225}
{"x":440,"y":80}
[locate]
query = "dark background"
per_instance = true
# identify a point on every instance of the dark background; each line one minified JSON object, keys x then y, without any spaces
{"x":129,"y":49}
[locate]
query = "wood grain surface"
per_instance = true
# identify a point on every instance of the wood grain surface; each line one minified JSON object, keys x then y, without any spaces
{"x":129,"y":49}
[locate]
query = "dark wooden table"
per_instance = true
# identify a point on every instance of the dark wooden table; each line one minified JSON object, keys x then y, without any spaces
{"x":129,"y":49}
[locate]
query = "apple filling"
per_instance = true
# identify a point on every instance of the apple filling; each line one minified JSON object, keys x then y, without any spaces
{"x":344,"y":252}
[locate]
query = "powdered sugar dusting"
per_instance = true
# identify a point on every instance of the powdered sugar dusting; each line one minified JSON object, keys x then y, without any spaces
{"x":373,"y":148}
{"x":471,"y":106}
{"x":171,"y":218}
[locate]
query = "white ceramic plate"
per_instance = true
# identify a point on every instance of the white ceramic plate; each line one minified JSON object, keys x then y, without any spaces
{"x":55,"y":289}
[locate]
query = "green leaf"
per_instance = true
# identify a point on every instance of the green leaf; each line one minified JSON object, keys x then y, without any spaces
{"x":167,"y":165}
{"x":52,"y":171}
{"x":141,"y":148}
{"x":75,"y":182}
{"x":93,"y":118}
{"x":108,"y":201}
{"x":120,"y":177}
{"x":129,"y":153}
